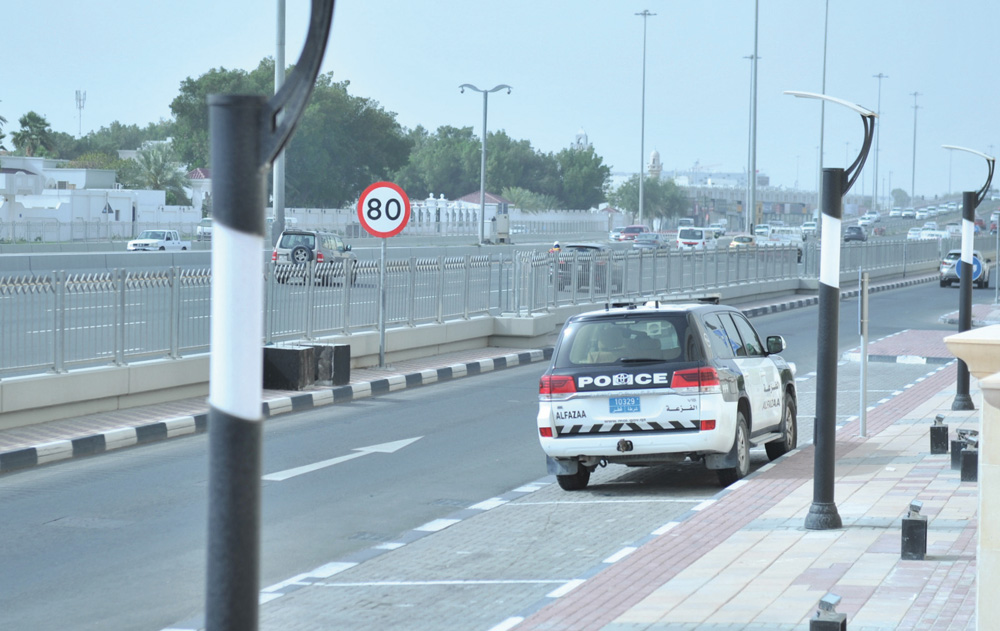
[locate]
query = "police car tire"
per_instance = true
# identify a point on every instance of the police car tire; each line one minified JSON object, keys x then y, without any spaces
{"x":575,"y":481}
{"x":741,"y":444}
{"x":789,"y":432}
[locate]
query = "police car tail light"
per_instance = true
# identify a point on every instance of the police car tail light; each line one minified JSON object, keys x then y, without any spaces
{"x":705,"y":379}
{"x":706,"y":425}
{"x":274,"y":256}
{"x":556,"y":384}
{"x":545,"y":432}
{"x":319,"y":257}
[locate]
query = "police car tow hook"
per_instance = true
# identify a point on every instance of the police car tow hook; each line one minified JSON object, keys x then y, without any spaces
{"x":624,"y":445}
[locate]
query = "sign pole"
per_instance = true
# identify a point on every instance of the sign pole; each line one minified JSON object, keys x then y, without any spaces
{"x":383,"y":210}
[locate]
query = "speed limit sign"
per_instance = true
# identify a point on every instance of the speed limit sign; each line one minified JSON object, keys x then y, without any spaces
{"x":383,"y":209}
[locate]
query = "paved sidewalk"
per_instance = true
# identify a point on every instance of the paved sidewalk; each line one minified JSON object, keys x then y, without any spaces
{"x":747,"y":563}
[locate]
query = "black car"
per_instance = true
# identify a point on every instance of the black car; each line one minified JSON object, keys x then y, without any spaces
{"x":581,"y":257}
{"x":855,"y":233}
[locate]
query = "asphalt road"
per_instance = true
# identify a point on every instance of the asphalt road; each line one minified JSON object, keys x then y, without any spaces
{"x":118,"y":541}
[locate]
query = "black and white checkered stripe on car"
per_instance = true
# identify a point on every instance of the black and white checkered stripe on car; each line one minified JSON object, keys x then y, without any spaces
{"x":634,"y":426}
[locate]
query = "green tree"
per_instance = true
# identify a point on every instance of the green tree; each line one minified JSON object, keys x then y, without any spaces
{"x":662,"y":199}
{"x":446,"y":162}
{"x":529,"y":201}
{"x":159,"y":172}
{"x":585,"y":178}
{"x":190,"y":107}
{"x":35,"y":135}
{"x":900,"y":198}
{"x":514,"y":163}
{"x":3,"y":121}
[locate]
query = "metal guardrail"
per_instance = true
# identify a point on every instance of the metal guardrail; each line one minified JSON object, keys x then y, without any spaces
{"x":61,"y":321}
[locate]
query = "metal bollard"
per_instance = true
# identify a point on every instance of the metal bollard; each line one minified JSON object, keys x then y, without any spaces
{"x":939,"y":436}
{"x":969,"y":457}
{"x":914,"y":534}
{"x":827,"y":618}
{"x":956,"y":454}
{"x":970,"y":465}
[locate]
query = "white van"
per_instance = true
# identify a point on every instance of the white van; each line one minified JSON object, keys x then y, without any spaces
{"x":696,"y":239}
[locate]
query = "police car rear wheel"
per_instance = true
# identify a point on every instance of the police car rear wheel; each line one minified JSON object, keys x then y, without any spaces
{"x":575,"y":481}
{"x":742,"y":447}
{"x":789,"y":431}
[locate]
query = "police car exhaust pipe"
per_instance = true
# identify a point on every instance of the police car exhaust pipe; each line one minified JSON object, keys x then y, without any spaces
{"x":624,"y":445}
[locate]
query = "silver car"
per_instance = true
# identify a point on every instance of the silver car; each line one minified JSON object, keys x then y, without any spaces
{"x":330,"y":257}
{"x":948,"y":271}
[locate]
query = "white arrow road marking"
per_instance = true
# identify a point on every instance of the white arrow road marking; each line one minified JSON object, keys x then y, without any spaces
{"x":384,"y":448}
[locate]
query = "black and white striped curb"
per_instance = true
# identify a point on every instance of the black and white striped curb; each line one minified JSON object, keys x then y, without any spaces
{"x":850,"y":293}
{"x":180,"y":426}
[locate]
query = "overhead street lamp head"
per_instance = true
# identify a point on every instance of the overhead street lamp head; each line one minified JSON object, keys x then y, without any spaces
{"x":867,"y":119}
{"x":990,"y":162}
{"x":475,"y":89}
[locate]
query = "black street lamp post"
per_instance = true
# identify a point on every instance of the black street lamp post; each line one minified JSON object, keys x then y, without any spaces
{"x":823,"y":513}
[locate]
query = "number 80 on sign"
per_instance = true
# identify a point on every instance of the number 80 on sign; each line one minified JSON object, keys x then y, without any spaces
{"x":383,"y":209}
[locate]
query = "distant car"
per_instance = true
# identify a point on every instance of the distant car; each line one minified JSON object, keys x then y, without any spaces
{"x":762,"y":229}
{"x":296,"y":248}
{"x":855,"y":233}
{"x":896,"y":212}
{"x":628,"y":232}
{"x":810,"y":229}
{"x":787,"y":235}
{"x":583,"y":256}
{"x":908,"y":213}
{"x":865,"y":221}
{"x":718,"y":229}
{"x":695,"y":239}
{"x":649,"y":241}
{"x":948,"y":271}
{"x":913,"y":234}
{"x":926,"y":233}
{"x":743,"y":241}
{"x":204,"y":229}
{"x":615,"y":234}
{"x":921,"y":214}
{"x":931,"y":225}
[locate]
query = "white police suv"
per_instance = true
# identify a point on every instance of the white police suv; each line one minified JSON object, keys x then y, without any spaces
{"x":657,"y":383}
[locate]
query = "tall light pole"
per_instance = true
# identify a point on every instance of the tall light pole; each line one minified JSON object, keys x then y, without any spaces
{"x":482,"y":168}
{"x":642,"y":129}
{"x":752,"y":209}
{"x":837,"y":182}
{"x":278,"y":173}
{"x":822,"y":109}
{"x":913,"y":171}
{"x":878,"y":134}
{"x":81,"y":100}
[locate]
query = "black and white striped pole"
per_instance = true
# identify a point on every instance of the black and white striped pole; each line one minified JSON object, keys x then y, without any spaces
{"x":970,"y":201}
{"x":823,"y":513}
{"x":245,"y":137}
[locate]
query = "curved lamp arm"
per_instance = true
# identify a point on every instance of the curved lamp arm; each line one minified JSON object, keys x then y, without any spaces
{"x":290,"y":100}
{"x":867,"y":119}
{"x":990,"y":161}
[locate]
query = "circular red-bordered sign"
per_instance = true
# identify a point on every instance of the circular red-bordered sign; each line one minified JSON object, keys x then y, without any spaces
{"x":383,"y":209}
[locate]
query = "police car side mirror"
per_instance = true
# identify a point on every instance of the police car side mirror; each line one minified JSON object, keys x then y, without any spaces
{"x":775,"y":344}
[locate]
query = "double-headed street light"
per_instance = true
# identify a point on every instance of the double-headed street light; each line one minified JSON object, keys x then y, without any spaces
{"x":482,"y":169}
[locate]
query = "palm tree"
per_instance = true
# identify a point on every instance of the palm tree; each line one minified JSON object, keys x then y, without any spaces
{"x":35,"y":135}
{"x":159,"y":172}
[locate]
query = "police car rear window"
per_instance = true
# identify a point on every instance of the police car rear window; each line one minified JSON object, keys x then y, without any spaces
{"x":608,"y":341}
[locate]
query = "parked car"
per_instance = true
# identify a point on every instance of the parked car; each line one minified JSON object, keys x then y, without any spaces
{"x":696,"y":239}
{"x":333,"y":258}
{"x":743,"y":241}
{"x":718,"y":229}
{"x":583,"y":256}
{"x":855,"y":233}
{"x":762,"y":229}
{"x":149,"y":240}
{"x":948,"y":270}
{"x":644,"y":385}
{"x":650,"y":241}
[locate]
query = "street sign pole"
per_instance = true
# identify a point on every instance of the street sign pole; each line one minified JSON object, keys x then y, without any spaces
{"x":383,"y":210}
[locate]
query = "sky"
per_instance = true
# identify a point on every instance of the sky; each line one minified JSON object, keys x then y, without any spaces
{"x":573,"y":65}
